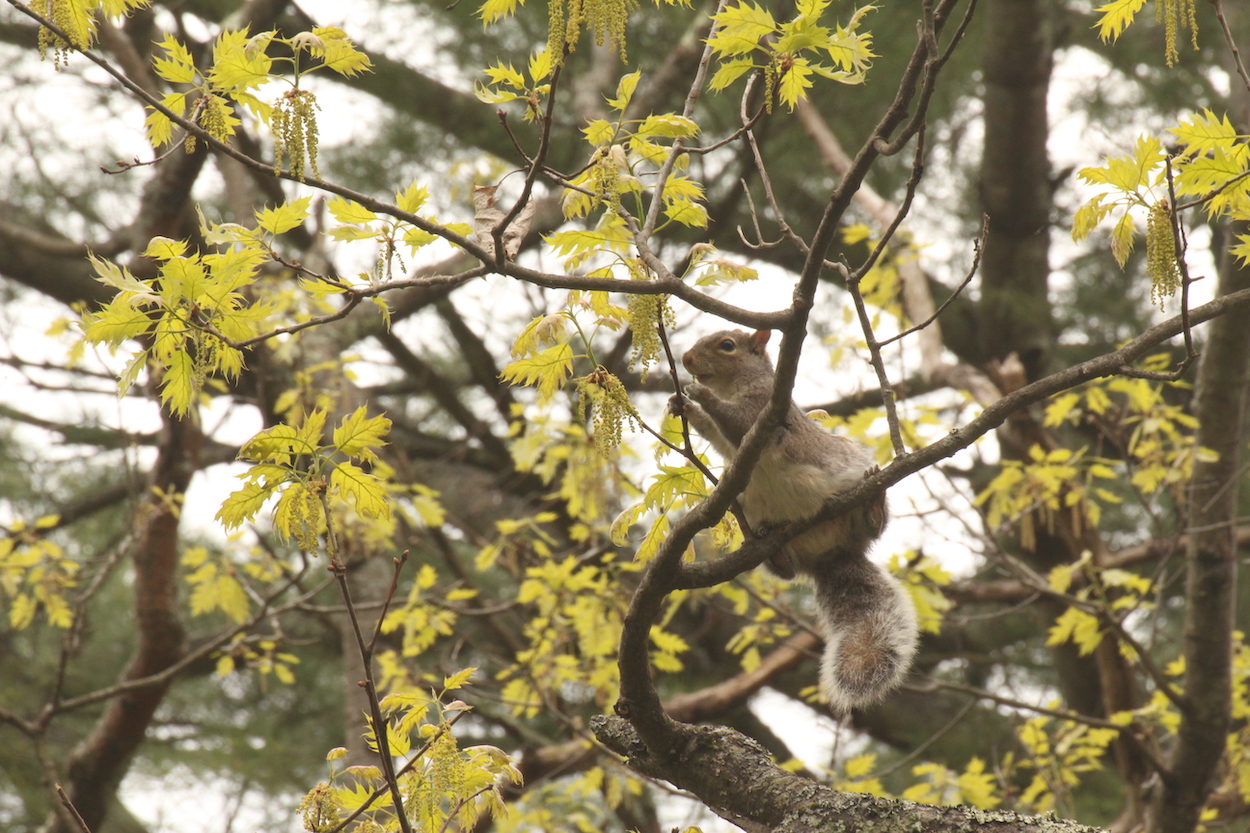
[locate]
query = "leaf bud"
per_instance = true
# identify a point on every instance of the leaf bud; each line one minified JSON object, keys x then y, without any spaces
{"x":257,"y":44}
{"x":307,"y":40}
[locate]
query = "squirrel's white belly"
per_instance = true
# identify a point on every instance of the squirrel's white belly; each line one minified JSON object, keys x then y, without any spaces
{"x":784,"y":492}
{"x":781,"y":491}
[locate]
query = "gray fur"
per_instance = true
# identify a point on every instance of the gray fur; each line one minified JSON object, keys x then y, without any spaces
{"x":866,"y":614}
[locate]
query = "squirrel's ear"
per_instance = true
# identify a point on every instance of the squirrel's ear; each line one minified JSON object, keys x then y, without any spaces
{"x":759,"y":338}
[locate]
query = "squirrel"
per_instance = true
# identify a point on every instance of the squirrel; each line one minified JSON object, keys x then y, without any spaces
{"x":866,"y":614}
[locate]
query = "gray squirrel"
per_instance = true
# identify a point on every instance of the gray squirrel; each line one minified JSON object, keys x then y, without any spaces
{"x":865,"y":613}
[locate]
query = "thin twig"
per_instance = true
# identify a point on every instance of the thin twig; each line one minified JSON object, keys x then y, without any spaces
{"x":51,"y":779}
{"x":380,"y":727}
{"x":1099,"y":610}
{"x":73,"y":638}
{"x":123,"y":166}
{"x":688,"y":451}
{"x":978,"y":248}
{"x":536,"y":167}
{"x":737,"y":134}
{"x":676,"y":149}
{"x":909,"y":195}
{"x":516,"y":143}
{"x":451,"y":814}
{"x":1214,"y":192}
{"x":73,"y":811}
{"x":1232,"y":43}
{"x":853,"y":280}
{"x":411,"y":762}
{"x":755,"y":222}
{"x":354,"y":297}
{"x":301,"y":269}
{"x":878,"y":364}
{"x":933,"y":65}
{"x":189,"y":658}
{"x":386,"y":602}
{"x":787,"y":230}
{"x":1104,"y":612}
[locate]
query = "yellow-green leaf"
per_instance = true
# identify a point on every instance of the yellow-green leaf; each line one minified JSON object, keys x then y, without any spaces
{"x":599,"y":132}
{"x":1116,"y":16}
{"x":348,"y":211}
{"x":117,"y":8}
{"x":220,"y":592}
{"x":22,"y":611}
{"x":624,"y":91}
{"x":235,"y":68}
{"x":505,"y":74}
{"x":412,"y":198}
{"x":358,"y":434}
{"x":547,"y":370}
{"x":284,"y":217}
{"x":669,"y":125}
{"x":492,"y":10}
{"x":177,"y":67}
{"x":1077,"y":627}
{"x":163,"y":248}
{"x":178,"y":384}
{"x":119,"y":277}
{"x":363,"y":489}
{"x":540,"y":65}
{"x":458,"y":679}
{"x":76,"y":19}
{"x":1089,"y":215}
{"x":687,"y":212}
{"x":730,"y":71}
{"x":1128,"y":173}
{"x":1204,"y":132}
{"x":339,"y":54}
{"x":795,"y":83}
{"x":740,"y":28}
{"x":1122,"y":238}
{"x":242,"y":505}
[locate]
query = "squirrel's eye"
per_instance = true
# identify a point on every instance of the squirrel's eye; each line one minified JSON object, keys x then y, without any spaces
{"x":727,"y":345}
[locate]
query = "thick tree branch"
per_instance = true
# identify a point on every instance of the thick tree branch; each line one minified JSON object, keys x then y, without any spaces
{"x":49,"y":262}
{"x":708,"y":703}
{"x":736,"y":777}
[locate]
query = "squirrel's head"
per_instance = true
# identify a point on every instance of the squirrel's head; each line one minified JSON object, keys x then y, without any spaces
{"x":729,"y":360}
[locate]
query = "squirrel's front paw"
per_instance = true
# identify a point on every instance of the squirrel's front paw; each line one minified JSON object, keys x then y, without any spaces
{"x":689,"y":399}
{"x":697,"y":392}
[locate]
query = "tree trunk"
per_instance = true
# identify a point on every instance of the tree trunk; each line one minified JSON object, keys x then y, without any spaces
{"x":1211,"y":551}
{"x":1015,"y":183}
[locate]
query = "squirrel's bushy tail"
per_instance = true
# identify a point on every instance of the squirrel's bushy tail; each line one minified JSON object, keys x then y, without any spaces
{"x":870,"y":631}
